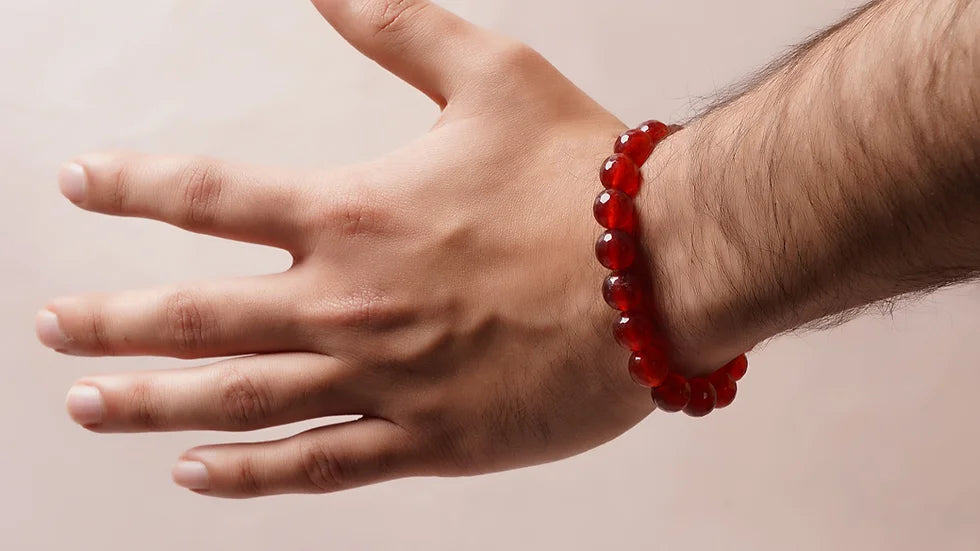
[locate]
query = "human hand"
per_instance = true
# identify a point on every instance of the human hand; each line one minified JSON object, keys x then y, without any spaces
{"x":446,"y":292}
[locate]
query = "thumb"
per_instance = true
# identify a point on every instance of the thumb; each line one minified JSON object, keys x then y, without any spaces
{"x":418,"y":41}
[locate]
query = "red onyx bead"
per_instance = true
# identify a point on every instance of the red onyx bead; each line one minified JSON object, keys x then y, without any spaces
{"x":635,"y":331}
{"x":725,"y":388}
{"x":613,"y":209}
{"x":649,"y":367}
{"x":656,"y":130}
{"x":620,"y":172}
{"x":622,"y":291}
{"x":703,"y":398}
{"x":673,"y":394}
{"x":636,"y":145}
{"x":615,"y":249}
{"x":737,"y":367}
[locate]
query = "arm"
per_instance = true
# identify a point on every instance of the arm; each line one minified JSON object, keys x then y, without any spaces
{"x":848,"y":173}
{"x":447,"y":293}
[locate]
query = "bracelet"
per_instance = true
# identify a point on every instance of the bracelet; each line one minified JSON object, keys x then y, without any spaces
{"x":623,"y":289}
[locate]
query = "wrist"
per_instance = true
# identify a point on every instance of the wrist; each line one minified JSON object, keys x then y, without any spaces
{"x":694,"y":257}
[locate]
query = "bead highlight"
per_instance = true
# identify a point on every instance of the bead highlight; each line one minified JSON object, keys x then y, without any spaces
{"x":656,"y":130}
{"x":615,"y":249}
{"x":622,"y":292}
{"x":634,"y":330}
{"x":613,"y":210}
{"x":620,"y":172}
{"x":636,"y":145}
{"x":703,"y":397}
{"x":649,"y":368}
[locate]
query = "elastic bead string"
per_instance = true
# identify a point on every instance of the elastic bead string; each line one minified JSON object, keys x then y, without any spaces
{"x":625,"y":289}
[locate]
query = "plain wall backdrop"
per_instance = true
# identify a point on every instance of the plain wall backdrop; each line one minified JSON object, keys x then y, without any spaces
{"x":862,"y":437}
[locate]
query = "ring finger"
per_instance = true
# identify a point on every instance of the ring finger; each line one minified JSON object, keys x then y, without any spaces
{"x":228,"y":318}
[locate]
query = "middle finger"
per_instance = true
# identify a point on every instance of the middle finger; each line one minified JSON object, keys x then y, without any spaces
{"x":238,"y":394}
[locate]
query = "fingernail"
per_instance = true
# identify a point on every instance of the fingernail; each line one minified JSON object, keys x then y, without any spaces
{"x":49,"y":330}
{"x":71,"y":179}
{"x":192,"y":475}
{"x":85,"y":405}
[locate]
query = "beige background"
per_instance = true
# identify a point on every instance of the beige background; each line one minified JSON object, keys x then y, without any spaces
{"x":864,"y":437}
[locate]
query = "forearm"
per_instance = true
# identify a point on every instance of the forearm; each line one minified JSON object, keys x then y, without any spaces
{"x":847,"y":175}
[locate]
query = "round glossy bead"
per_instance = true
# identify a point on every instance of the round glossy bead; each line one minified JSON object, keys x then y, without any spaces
{"x":725,"y":388}
{"x":673,"y":394}
{"x":636,"y":145}
{"x":656,"y":130}
{"x":620,"y":172}
{"x":703,"y":397}
{"x":613,"y":210}
{"x":635,"y":331}
{"x":649,"y":367}
{"x":622,"y":291}
{"x":615,"y":249}
{"x":737,"y":367}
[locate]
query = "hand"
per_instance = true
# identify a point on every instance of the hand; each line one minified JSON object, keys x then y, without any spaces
{"x":446,"y":292}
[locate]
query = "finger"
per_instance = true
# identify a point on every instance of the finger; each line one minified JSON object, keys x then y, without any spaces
{"x":418,"y":41}
{"x":326,"y":459}
{"x":239,"y":316}
{"x":195,"y":193}
{"x":233,"y":395}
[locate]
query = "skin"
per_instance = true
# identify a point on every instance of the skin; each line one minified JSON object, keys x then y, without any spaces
{"x":845,"y":175}
{"x":447,"y":292}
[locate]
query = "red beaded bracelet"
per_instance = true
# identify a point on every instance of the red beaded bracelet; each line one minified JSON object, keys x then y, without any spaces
{"x":623,"y":289}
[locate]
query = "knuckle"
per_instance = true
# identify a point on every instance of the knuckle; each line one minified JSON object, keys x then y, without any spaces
{"x":352,"y":218}
{"x":246,"y":479}
{"x":324,"y":472}
{"x":119,"y":180}
{"x":350,"y":215}
{"x":244,"y":403}
{"x":187,"y":320}
{"x":144,"y":407}
{"x":99,"y":332}
{"x":199,"y":187}
{"x":392,"y":17}
{"x":513,"y":55}
{"x":362,"y":309}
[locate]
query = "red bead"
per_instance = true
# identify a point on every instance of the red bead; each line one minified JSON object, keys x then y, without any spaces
{"x":649,"y":368}
{"x":737,"y":367}
{"x":613,"y":209}
{"x":703,"y":398}
{"x":673,"y":394}
{"x":725,"y":388}
{"x":615,"y":249}
{"x":656,"y":130}
{"x":620,"y":172}
{"x":636,"y":145}
{"x":622,"y":291}
{"x":635,"y":331}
